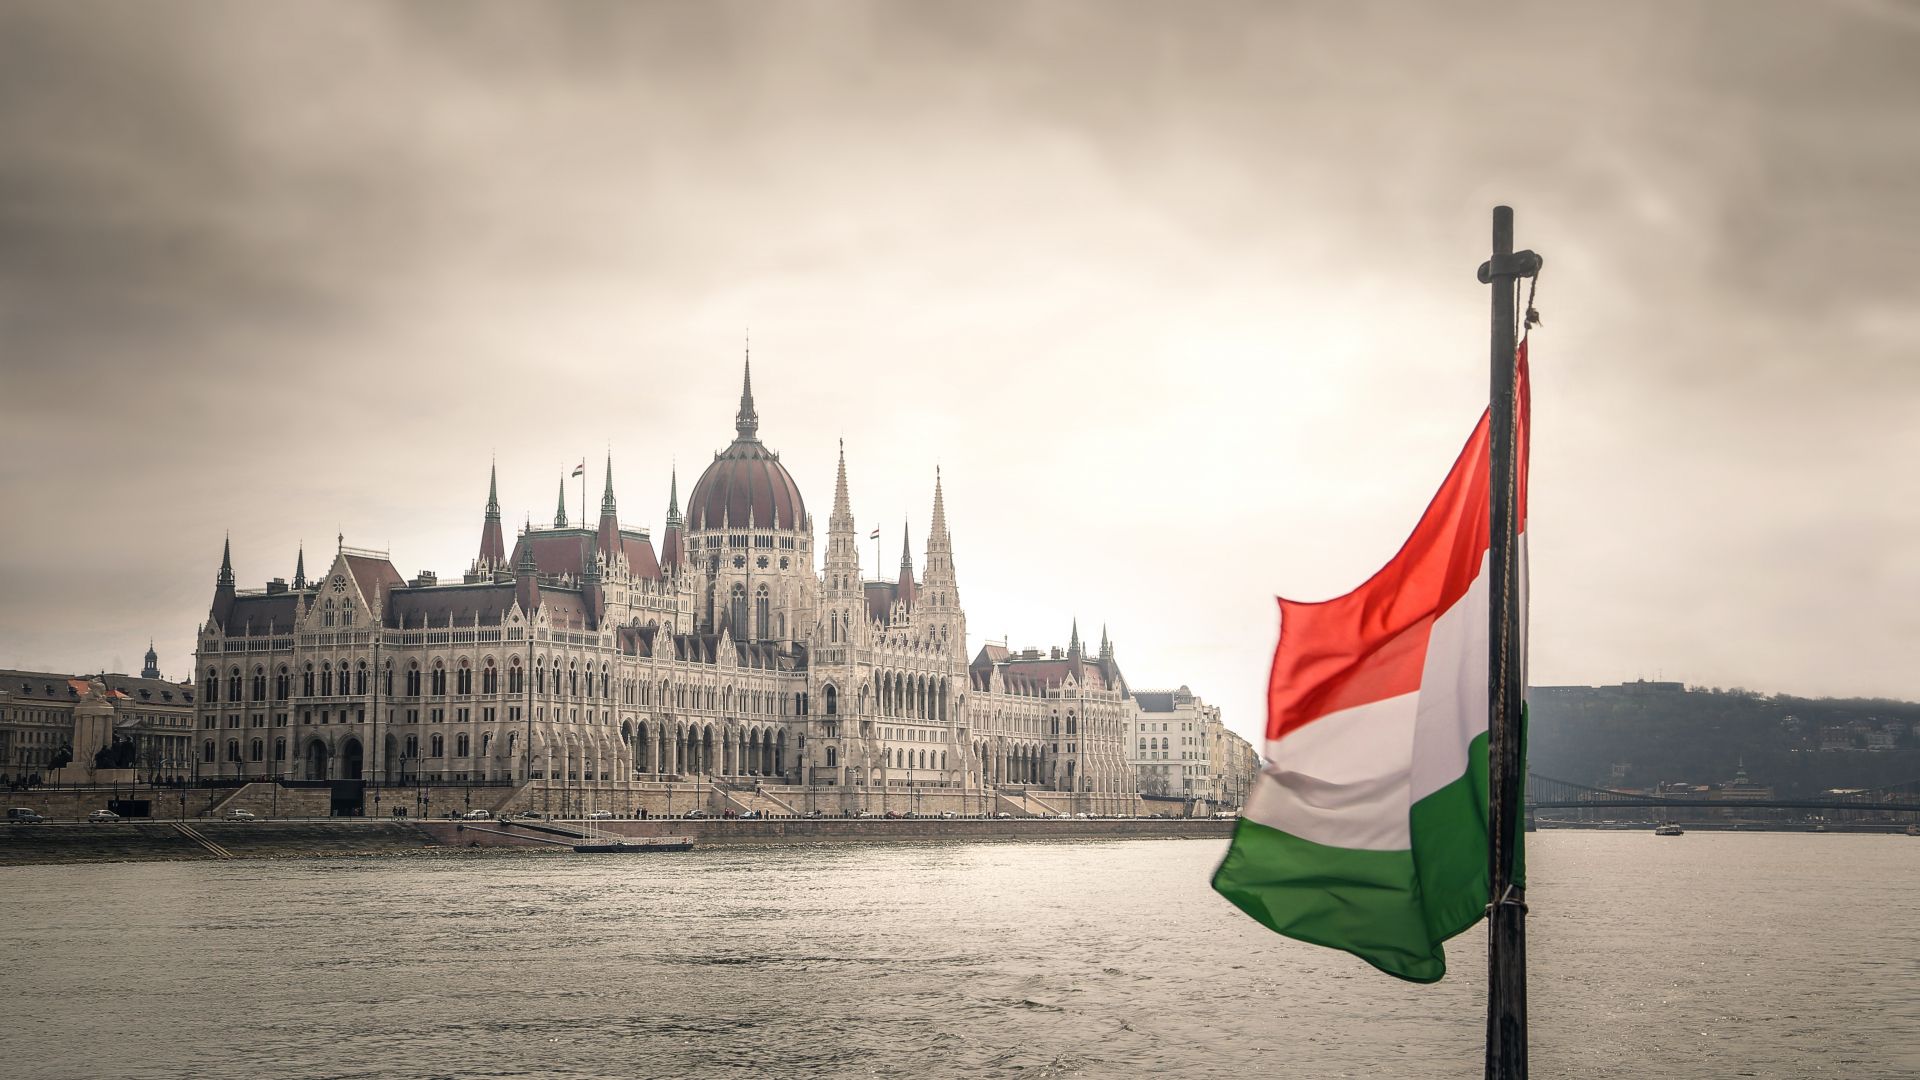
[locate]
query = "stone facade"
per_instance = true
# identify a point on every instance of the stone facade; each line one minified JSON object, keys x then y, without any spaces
{"x":43,"y":714}
{"x":583,"y":656}
{"x":1178,"y":747}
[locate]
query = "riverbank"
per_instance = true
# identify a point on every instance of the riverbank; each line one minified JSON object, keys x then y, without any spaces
{"x":169,"y":841}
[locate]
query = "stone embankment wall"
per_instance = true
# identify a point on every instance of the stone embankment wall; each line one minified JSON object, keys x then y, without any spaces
{"x":267,"y":799}
{"x":712,"y":831}
{"x":198,"y":840}
{"x":141,"y":841}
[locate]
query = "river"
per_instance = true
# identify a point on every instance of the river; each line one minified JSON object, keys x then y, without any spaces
{"x":1709,"y":955}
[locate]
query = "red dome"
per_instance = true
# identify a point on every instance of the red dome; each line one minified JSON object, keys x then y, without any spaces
{"x":746,"y":483}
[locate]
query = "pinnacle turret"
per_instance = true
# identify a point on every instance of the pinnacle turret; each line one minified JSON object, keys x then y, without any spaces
{"x":300,"y":568}
{"x":493,"y":547}
{"x":226,"y":564}
{"x":560,"y":515}
{"x":938,"y":531}
{"x":747,"y":422}
{"x":842,"y":506}
{"x":1073,"y":643}
{"x":606,"y":498}
{"x":673,"y":499}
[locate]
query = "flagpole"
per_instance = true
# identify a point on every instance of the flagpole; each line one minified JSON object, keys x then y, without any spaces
{"x":1506,"y":1056}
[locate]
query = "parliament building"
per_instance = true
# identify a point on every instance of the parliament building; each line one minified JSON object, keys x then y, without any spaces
{"x":733,"y":656}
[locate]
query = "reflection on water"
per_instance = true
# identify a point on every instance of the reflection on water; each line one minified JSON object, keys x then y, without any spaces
{"x":1717,"y":955}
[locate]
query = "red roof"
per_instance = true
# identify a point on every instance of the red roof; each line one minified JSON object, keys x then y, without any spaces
{"x":263,"y":613}
{"x":439,"y":604}
{"x":746,"y":483}
{"x":880,"y":598}
{"x":564,"y":551}
{"x":375,"y":577}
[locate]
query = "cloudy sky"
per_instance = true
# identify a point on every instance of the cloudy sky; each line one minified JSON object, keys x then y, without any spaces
{"x":1180,"y":297}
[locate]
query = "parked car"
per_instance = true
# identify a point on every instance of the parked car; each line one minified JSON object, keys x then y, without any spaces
{"x":530,"y":815}
{"x":22,"y":815}
{"x":749,"y":815}
{"x":948,"y":814}
{"x":1003,"y":814}
{"x":103,"y":815}
{"x":822,"y":813}
{"x":240,"y":815}
{"x":477,"y":815}
{"x":694,"y":813}
{"x":600,"y":815}
{"x":891,"y":814}
{"x":1080,"y":817}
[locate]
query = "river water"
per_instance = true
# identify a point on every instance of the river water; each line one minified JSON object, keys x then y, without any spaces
{"x":1709,"y":955}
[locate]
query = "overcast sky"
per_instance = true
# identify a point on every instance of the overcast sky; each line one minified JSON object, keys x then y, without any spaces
{"x":1180,"y":297}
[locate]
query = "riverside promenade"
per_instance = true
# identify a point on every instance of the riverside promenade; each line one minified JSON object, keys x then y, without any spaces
{"x":163,"y":840}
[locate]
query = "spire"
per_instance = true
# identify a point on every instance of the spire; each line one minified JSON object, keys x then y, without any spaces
{"x":906,"y":590}
{"x":673,"y":498}
{"x":1073,"y":643}
{"x":152,"y":670}
{"x":842,"y":506}
{"x":300,"y":567}
{"x":938,"y":532}
{"x":747,"y":422}
{"x":672,"y":554}
{"x":493,"y":548}
{"x":225,"y":579}
{"x":608,"y":541}
{"x":1106,"y":645}
{"x":560,"y":515}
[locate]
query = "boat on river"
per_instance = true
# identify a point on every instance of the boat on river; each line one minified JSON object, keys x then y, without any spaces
{"x":1669,"y":829}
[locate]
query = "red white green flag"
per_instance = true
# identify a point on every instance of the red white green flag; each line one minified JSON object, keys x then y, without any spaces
{"x":1367,"y":830}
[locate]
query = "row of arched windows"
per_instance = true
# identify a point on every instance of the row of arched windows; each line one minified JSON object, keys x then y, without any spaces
{"x":906,"y":758}
{"x":256,"y":750}
{"x":914,"y":696}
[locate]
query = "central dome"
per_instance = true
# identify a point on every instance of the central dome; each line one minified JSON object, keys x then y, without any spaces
{"x":746,"y":482}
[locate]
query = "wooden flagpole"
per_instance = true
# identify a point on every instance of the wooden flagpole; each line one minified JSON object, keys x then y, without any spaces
{"x":1506,"y":768}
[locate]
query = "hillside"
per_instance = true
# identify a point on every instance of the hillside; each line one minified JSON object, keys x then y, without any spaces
{"x":1638,"y":734}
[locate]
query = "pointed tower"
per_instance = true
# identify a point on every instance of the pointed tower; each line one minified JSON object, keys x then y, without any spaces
{"x":300,"y":568}
{"x":906,"y":595}
{"x":1073,"y":643}
{"x":845,"y":597}
{"x":560,"y":515}
{"x":746,"y":423}
{"x":939,"y":595}
{"x":152,"y":670}
{"x":1106,"y":645}
{"x":493,"y":547}
{"x":608,"y":537}
{"x":223,"y":589}
{"x":673,"y":545}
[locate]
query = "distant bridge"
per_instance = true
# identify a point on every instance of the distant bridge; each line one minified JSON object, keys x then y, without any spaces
{"x":1547,"y":793}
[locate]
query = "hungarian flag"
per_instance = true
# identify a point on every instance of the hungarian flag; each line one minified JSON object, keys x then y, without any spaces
{"x":874,"y":535}
{"x":1367,"y":830}
{"x":580,"y":469}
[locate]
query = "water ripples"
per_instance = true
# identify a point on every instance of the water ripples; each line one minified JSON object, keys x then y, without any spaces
{"x":1738,"y":955}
